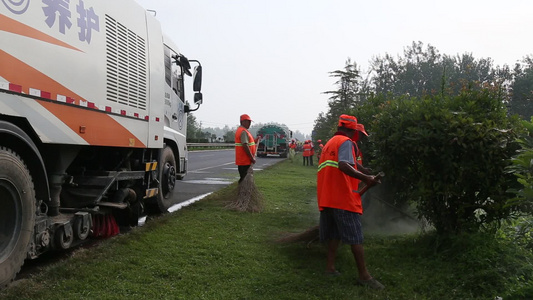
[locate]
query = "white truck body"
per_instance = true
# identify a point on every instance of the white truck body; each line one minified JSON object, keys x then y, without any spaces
{"x":93,"y":121}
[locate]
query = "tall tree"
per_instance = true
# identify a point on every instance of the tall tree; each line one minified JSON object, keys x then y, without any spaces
{"x":522,"y":89}
{"x":421,"y":71}
{"x":349,"y":92}
{"x":348,"y":87}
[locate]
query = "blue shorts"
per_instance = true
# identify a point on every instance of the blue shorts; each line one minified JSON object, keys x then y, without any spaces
{"x":339,"y":224}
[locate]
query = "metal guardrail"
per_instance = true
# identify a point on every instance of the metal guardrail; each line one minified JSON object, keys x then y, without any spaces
{"x":211,"y":145}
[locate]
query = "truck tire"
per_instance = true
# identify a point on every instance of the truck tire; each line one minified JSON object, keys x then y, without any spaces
{"x":17,"y":214}
{"x":167,"y":180}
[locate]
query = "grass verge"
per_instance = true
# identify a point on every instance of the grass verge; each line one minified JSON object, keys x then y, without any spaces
{"x":206,"y":251}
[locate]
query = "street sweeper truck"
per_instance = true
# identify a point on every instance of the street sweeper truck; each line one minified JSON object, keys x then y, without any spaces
{"x":93,"y":119}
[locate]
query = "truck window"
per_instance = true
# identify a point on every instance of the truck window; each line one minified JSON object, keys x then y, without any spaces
{"x":168,"y":64}
{"x":173,"y":74}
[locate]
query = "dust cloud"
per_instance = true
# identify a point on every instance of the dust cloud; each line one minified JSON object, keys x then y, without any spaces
{"x":381,"y":216}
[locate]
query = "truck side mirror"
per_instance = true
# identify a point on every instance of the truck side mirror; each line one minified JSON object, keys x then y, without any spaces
{"x":198,"y":98}
{"x":197,"y":81}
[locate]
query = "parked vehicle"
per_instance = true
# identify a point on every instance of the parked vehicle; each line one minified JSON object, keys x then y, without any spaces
{"x":92,"y":122}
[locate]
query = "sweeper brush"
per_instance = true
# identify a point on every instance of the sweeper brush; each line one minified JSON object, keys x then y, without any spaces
{"x":249,"y":198}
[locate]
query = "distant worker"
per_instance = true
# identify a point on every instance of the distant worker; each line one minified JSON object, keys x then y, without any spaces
{"x":244,"y":147}
{"x":312,"y":154}
{"x":339,"y":201}
{"x":306,"y":153}
{"x":292,"y":149}
{"x":319,"y":151}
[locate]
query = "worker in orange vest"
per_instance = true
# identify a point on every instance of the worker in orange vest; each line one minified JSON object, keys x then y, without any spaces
{"x":292,"y":149}
{"x":339,"y":201}
{"x":320,"y":146}
{"x":244,"y":147}
{"x":306,"y":152}
{"x":312,"y":154}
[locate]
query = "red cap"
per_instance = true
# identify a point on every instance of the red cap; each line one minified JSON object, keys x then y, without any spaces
{"x":348,"y":121}
{"x":361,"y":127}
{"x":245,"y":117}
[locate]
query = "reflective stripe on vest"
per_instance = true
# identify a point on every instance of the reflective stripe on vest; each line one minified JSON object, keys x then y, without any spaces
{"x":249,"y":144}
{"x":328,"y":163}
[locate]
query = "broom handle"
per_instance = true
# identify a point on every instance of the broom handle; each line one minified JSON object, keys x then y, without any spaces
{"x":366,"y":187}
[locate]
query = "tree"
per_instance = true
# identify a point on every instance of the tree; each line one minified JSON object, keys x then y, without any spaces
{"x":384,"y":71}
{"x":348,"y":86}
{"x":229,"y":136}
{"x":423,"y":71}
{"x":349,"y":91}
{"x":521,"y":102}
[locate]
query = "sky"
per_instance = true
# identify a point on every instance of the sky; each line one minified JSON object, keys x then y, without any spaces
{"x":271,"y":59}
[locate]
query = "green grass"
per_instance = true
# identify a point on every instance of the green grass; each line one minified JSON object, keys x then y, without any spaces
{"x":205,"y":251}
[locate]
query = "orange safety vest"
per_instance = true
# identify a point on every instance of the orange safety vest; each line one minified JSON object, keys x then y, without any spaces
{"x":241,"y":158}
{"x":307,"y":150}
{"x":334,"y":188}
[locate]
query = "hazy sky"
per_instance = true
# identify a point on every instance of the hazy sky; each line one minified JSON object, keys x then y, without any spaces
{"x":270,"y":59}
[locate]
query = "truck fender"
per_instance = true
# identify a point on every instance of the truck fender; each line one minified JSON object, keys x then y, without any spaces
{"x":17,"y":139}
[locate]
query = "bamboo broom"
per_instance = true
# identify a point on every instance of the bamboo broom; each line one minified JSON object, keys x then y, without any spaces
{"x":249,"y":198}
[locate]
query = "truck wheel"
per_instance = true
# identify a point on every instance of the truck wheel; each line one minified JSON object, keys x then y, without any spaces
{"x":17,"y":214}
{"x":167,"y":180}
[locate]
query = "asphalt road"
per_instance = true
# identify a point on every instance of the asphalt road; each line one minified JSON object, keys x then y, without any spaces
{"x":209,"y":171}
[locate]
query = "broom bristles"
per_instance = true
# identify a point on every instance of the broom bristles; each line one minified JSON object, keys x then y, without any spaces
{"x":310,"y":235}
{"x":249,"y":198}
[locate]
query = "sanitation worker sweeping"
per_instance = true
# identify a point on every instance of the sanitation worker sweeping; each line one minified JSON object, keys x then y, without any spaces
{"x":339,"y":200}
{"x":248,"y":198}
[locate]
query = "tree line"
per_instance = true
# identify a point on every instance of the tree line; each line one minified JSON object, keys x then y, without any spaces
{"x":422,"y":71}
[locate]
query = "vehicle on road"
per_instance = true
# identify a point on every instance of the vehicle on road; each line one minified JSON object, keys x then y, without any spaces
{"x":273,"y":140}
{"x":93,"y":122}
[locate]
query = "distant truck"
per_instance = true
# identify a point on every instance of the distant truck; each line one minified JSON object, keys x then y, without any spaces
{"x":93,"y":122}
{"x":273,"y":140}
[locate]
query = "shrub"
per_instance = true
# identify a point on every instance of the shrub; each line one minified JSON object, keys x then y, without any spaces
{"x":522,"y":168}
{"x":448,"y":155}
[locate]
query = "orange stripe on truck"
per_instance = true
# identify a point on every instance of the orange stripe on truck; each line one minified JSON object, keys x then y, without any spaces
{"x":98,"y":127}
{"x":17,"y":72}
{"x":10,"y":25}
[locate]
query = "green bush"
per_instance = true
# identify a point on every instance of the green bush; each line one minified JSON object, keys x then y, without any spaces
{"x":522,"y":168}
{"x":520,"y":229}
{"x":447,"y":154}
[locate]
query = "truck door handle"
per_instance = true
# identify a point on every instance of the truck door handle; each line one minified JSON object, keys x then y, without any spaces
{"x":175,"y":116}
